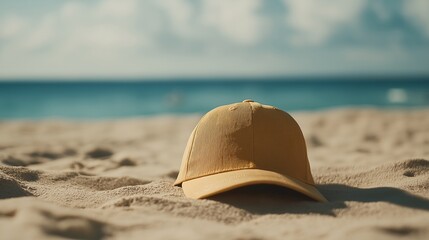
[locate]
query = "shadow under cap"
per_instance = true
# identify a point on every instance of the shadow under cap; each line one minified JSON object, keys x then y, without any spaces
{"x":270,"y":199}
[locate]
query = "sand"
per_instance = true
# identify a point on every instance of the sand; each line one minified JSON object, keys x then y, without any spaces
{"x":113,"y":179}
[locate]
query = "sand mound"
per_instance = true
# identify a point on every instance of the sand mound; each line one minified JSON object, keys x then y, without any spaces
{"x":113,"y":179}
{"x":10,"y":188}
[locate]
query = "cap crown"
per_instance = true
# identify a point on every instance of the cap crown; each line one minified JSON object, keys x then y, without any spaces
{"x":246,"y":135}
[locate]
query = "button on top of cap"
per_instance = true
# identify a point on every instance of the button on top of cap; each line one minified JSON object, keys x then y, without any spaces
{"x":248,"y":100}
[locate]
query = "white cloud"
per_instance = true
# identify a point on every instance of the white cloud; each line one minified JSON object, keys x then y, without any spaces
{"x":184,"y":37}
{"x":314,"y":21}
{"x":108,"y":25}
{"x":12,"y":26}
{"x":73,"y":9}
{"x":119,"y":9}
{"x":80,"y":26}
{"x":76,"y":27}
{"x":418,"y":12}
{"x":180,"y":14}
{"x":236,"y":19}
{"x":40,"y":36}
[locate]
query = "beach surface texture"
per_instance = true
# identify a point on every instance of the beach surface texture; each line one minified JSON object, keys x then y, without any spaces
{"x":113,"y":179}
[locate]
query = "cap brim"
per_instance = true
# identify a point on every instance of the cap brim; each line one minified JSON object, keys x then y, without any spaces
{"x":221,"y":182}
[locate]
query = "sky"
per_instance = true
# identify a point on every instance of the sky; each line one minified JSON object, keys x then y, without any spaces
{"x":212,"y":38}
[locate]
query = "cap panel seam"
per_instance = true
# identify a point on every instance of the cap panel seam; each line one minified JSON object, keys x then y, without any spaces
{"x":190,"y":150}
{"x":253,"y":132}
{"x":308,"y":172}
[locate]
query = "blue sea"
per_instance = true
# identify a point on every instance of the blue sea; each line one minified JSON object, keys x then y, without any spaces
{"x":111,"y":99}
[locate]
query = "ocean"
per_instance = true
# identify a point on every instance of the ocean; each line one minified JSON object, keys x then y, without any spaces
{"x":120,"y":99}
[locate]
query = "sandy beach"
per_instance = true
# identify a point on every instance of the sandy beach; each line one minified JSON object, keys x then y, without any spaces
{"x":113,"y":179}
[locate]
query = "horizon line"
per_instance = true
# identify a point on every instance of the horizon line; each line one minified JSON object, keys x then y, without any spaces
{"x":310,"y":77}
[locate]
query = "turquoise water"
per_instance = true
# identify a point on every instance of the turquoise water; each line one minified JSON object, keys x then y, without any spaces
{"x":118,"y":99}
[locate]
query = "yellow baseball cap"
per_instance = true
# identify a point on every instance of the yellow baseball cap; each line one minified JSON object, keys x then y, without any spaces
{"x":244,"y":144}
